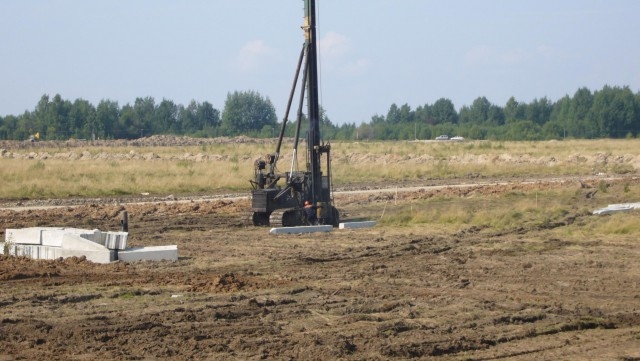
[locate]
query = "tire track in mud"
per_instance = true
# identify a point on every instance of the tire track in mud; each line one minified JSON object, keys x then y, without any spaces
{"x":544,"y":321}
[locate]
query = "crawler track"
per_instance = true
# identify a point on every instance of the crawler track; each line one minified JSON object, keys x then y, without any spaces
{"x":286,"y":218}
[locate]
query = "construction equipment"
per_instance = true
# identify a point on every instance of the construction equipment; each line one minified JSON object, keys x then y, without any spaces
{"x":272,"y":204}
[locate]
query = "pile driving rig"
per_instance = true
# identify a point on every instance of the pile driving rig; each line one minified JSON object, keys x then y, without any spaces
{"x":272,"y":204}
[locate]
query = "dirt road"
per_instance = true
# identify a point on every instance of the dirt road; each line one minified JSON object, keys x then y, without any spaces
{"x":389,"y":292}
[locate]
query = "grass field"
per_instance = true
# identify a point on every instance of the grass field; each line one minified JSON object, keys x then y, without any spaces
{"x":115,"y":171}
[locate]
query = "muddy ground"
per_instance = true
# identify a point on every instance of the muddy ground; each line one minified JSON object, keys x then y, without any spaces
{"x":388,"y":292}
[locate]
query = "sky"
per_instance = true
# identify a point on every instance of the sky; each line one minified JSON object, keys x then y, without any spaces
{"x":373,"y":53}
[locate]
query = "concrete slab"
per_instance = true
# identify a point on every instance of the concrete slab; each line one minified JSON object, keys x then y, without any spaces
{"x":102,"y":256}
{"x":76,"y":242}
{"x":110,"y":240}
{"x":52,"y":236}
{"x":30,"y":235}
{"x":301,"y":229}
{"x":35,"y":251}
{"x":149,"y":254}
{"x":615,"y":208}
{"x":353,"y":225}
{"x":49,"y":252}
{"x":75,"y":245}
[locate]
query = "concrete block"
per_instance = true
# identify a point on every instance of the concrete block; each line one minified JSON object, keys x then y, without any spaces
{"x":353,"y":225}
{"x":94,"y":236}
{"x":110,"y":240}
{"x":115,"y":240}
{"x":615,"y":208}
{"x":22,"y":250}
{"x":24,"y":235}
{"x":75,"y":245}
{"x":27,"y":250}
{"x":47,"y":252}
{"x":52,"y":236}
{"x":301,"y":229}
{"x":75,"y":242}
{"x":97,"y":256}
{"x":35,"y":251}
{"x":149,"y":254}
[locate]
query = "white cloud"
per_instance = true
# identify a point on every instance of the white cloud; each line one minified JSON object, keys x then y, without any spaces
{"x":336,"y":56}
{"x":333,"y":46}
{"x":252,"y":55}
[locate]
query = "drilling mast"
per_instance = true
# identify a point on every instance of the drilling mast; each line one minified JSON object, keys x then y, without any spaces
{"x":273,"y":204}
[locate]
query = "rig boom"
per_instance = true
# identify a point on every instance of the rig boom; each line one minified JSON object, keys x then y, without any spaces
{"x":306,"y":189}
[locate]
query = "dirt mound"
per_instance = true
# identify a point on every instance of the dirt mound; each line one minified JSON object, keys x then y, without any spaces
{"x":621,"y":163}
{"x":152,"y":141}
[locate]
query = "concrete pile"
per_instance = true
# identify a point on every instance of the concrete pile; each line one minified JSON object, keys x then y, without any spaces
{"x":615,"y":208}
{"x":321,"y":228}
{"x":95,"y":245}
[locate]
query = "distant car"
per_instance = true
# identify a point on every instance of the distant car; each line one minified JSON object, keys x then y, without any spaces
{"x":442,"y":137}
{"x":457,"y":138}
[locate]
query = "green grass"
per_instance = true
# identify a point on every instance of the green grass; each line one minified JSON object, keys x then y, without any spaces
{"x":564,"y":212}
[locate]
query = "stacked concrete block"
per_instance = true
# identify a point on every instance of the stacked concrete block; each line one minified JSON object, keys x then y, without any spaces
{"x":96,"y":246}
{"x":27,"y":242}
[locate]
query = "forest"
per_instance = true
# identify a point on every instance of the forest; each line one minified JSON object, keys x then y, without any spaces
{"x":611,"y":112}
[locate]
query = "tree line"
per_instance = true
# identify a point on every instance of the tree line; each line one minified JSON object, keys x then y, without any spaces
{"x":611,"y":112}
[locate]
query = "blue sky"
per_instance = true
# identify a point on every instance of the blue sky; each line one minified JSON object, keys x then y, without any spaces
{"x":372,"y":52}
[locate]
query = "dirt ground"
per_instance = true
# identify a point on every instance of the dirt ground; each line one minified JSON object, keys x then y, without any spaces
{"x":381,"y":293}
